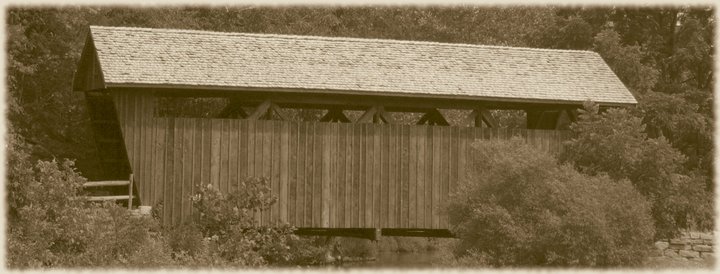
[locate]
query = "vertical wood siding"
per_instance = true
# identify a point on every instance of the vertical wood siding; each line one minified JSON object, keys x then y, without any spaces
{"x":324,"y":174}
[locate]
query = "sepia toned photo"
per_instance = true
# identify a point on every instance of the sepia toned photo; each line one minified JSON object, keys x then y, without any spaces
{"x":359,"y":137}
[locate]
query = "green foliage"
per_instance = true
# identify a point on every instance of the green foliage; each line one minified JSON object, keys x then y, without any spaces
{"x":615,"y":143}
{"x":519,"y":207}
{"x":236,"y":238}
{"x":626,"y":62}
{"x":682,"y":122}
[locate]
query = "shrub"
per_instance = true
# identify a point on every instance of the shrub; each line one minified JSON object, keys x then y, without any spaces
{"x":52,"y":224}
{"x":520,"y":207}
{"x":615,"y":143}
{"x":228,"y":218}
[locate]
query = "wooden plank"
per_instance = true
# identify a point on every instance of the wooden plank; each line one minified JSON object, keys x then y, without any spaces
{"x":336,"y":157}
{"x":437,"y":157}
{"x":215,"y":136}
{"x":390,"y":147}
{"x":177,"y":170}
{"x":137,"y":144}
{"x":275,"y":159}
{"x":355,"y":188}
{"x":376,"y":175}
{"x":206,"y":153}
{"x":347,"y":175}
{"x":105,"y":183}
{"x":265,"y":161}
{"x":197,"y":160}
{"x":454,"y":165}
{"x":140,"y":171}
{"x":292,"y":172}
{"x":412,"y":177}
{"x":317,"y":179}
{"x":159,"y":168}
{"x":342,"y":176}
{"x":244,"y":137}
{"x":233,"y":155}
{"x":428,"y":176}
{"x":224,"y":155}
{"x":302,"y":173}
{"x":384,"y":178}
{"x":369,"y":131}
{"x":107,"y":198}
{"x":405,"y":176}
{"x":325,"y":175}
{"x":187,"y":168}
{"x":421,"y":174}
{"x":284,"y":173}
{"x":446,"y":171}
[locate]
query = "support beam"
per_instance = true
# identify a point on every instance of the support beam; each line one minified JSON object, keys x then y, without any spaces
{"x":481,"y":115}
{"x":433,"y":117}
{"x":335,"y":115}
{"x":260,"y":111}
{"x":383,"y":116}
{"x":368,"y":116}
{"x":233,"y":110}
{"x":487,"y":117}
{"x":274,"y":108}
{"x":364,"y":233}
{"x":409,"y":232}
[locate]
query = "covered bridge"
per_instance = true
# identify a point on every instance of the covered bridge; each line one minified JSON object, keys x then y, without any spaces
{"x":334,"y":172}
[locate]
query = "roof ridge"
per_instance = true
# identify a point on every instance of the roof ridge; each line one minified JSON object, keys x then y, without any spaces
{"x":333,"y":38}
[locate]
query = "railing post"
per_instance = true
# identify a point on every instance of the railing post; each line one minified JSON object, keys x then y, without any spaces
{"x":130,"y":194}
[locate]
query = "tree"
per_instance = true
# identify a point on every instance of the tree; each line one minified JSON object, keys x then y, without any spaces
{"x":615,"y":143}
{"x":520,"y":207}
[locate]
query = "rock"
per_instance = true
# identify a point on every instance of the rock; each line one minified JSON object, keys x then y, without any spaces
{"x":707,"y":255}
{"x":661,"y":245}
{"x":708,"y":241}
{"x":694,"y":235}
{"x":689,"y":254}
{"x":679,"y":246}
{"x":671,"y":253}
{"x":703,"y":248}
{"x":678,"y":241}
{"x":706,"y":236}
{"x":696,"y":241}
{"x":655,"y":253}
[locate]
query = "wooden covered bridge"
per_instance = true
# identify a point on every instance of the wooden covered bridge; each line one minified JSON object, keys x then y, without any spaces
{"x":178,"y":108}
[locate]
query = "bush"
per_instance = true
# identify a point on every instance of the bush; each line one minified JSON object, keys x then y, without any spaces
{"x":615,"y":143}
{"x":52,"y":225}
{"x":228,"y":219}
{"x":519,"y":207}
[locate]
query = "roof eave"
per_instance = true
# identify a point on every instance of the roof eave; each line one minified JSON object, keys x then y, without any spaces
{"x":370,"y":93}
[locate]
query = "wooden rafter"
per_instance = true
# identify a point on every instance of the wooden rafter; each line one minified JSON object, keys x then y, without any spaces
{"x":368,"y":116}
{"x":266,"y":110}
{"x":335,"y":115}
{"x":481,"y":115}
{"x":233,"y":110}
{"x":487,"y":117}
{"x":433,"y":117}
{"x":382,"y":116}
{"x":260,"y":111}
{"x":274,"y":108}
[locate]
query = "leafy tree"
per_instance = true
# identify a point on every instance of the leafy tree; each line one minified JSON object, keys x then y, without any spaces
{"x":615,"y":143}
{"x":520,"y":207}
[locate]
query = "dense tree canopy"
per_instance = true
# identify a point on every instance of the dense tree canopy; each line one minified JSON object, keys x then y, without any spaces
{"x":664,"y":55}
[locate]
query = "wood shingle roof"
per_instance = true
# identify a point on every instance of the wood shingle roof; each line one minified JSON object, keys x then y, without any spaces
{"x":187,"y":58}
